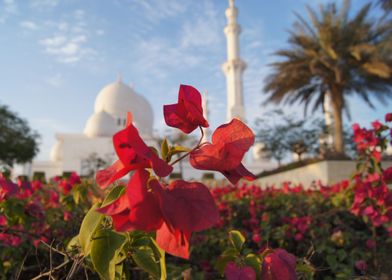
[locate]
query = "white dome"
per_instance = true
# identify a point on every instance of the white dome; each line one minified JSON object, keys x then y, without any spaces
{"x":100,"y":125}
{"x":117,"y":99}
{"x":56,"y":153}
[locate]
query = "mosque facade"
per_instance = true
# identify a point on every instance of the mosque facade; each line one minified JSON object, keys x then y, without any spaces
{"x":72,"y":151}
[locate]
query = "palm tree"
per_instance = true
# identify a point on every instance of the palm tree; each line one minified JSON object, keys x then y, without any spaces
{"x":334,"y":54}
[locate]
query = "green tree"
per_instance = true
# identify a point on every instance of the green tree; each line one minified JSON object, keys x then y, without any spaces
{"x":334,"y":54}
{"x":285,"y":134}
{"x":18,"y":143}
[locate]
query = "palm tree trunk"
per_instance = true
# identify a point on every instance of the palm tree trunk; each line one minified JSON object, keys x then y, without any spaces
{"x":337,"y":108}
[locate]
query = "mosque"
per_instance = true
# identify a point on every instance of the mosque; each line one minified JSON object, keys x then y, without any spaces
{"x":72,"y":151}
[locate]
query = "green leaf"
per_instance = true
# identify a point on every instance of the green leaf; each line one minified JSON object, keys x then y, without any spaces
{"x":161,"y":255}
{"x":341,"y":255}
{"x":76,"y":194}
{"x":237,"y":239}
{"x":331,"y":260}
{"x":144,"y":257}
{"x":165,"y":149}
{"x":105,"y":250}
{"x":179,"y":149}
{"x":114,"y":193}
{"x":74,"y":242}
{"x":90,"y":224}
{"x":230,"y":252}
{"x":254,"y":262}
{"x":118,"y":271}
{"x":140,"y":240}
{"x":306,"y":269}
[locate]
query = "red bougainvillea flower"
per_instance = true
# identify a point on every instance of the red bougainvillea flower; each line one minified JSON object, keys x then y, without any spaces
{"x":187,"y":113}
{"x":361,"y":265}
{"x":387,"y":175}
{"x":233,"y":272}
{"x":7,"y":188}
{"x":137,"y":208}
{"x":66,"y":184}
{"x":388,"y":117}
{"x":175,"y":212}
{"x":186,"y":207}
{"x":133,"y":154}
{"x":229,"y":144}
{"x":278,"y":265}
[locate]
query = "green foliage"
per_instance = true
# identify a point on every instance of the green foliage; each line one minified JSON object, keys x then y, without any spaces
{"x":106,"y":252}
{"x":18,"y":143}
{"x":237,"y":240}
{"x":90,"y":224}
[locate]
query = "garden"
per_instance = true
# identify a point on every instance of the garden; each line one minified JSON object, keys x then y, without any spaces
{"x":150,"y":227}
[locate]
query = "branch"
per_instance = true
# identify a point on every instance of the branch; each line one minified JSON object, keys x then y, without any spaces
{"x":197,"y":146}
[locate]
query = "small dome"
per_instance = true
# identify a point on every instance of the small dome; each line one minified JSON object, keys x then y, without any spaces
{"x":56,"y":152}
{"x":100,"y":125}
{"x":117,"y":99}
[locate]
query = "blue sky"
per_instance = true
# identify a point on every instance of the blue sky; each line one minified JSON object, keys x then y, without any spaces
{"x":56,"y":55}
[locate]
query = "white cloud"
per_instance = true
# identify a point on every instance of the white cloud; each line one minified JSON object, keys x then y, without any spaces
{"x":28,"y":24}
{"x":205,"y":30}
{"x":44,"y":4}
{"x":157,"y":10}
{"x":69,"y":43}
{"x":100,"y":32}
{"x":158,"y":56}
{"x":7,"y":9}
{"x":56,"y":80}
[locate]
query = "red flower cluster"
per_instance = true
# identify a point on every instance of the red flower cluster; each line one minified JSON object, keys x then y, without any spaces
{"x":34,"y":200}
{"x":373,"y":202}
{"x":365,"y":138}
{"x":372,"y":197}
{"x":7,"y":188}
{"x":174,"y":211}
{"x":65,"y":185}
{"x":298,"y":226}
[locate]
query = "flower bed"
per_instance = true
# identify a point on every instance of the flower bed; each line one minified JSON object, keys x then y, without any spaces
{"x":70,"y":228}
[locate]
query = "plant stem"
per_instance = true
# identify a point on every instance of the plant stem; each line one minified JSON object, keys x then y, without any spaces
{"x":194,"y":148}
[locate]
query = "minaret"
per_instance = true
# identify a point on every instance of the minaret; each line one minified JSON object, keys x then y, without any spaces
{"x":206,"y":130}
{"x":234,"y":66}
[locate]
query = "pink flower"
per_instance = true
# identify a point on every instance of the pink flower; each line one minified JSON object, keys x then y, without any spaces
{"x":370,"y":244}
{"x":67,"y":216}
{"x":388,"y":117}
{"x":361,"y":265}
{"x":3,"y":220}
{"x":387,"y":175}
{"x":377,"y":125}
{"x":233,"y":272}
{"x":256,"y":238}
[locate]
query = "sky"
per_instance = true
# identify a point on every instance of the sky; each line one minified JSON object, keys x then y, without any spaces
{"x":56,"y":55}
